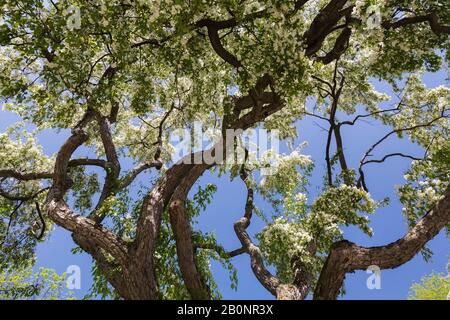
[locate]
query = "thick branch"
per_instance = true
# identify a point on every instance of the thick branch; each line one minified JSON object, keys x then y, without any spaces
{"x":431,"y":18}
{"x":213,"y":33}
{"x":269,"y":282}
{"x":258,"y":114}
{"x":182,"y":230}
{"x":347,"y":257}
{"x":339,"y":47}
{"x":11,"y":173}
{"x":150,"y":219}
{"x":323,"y":25}
{"x":113,"y":168}
{"x":60,"y":213}
{"x":110,"y":270}
{"x":62,"y":162}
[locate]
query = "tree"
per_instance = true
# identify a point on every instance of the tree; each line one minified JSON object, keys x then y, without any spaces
{"x":24,"y":284}
{"x":121,"y":75}
{"x":435,"y":286}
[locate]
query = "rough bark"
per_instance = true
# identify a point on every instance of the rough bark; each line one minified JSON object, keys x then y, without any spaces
{"x":432,"y":19}
{"x":182,"y":230}
{"x":60,"y":213}
{"x":347,"y":257}
{"x":131,"y":270}
{"x":113,"y":272}
{"x":113,"y":165}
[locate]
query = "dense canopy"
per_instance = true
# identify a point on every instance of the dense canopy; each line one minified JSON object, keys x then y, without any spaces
{"x":122,"y":75}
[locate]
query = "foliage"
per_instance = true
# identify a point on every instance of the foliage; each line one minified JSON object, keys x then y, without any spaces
{"x":317,"y":227}
{"x":25,"y":284}
{"x":435,"y":286}
{"x":156,"y":64}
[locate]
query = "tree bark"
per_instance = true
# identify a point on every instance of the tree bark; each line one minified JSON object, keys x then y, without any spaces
{"x":347,"y":257}
{"x":182,"y":230}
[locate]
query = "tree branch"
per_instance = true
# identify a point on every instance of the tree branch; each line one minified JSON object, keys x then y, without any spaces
{"x":182,"y":230}
{"x":347,"y":257}
{"x":60,"y":213}
{"x":10,"y":173}
{"x":431,"y":18}
{"x":361,"y":181}
{"x":269,"y":282}
{"x":113,"y":168}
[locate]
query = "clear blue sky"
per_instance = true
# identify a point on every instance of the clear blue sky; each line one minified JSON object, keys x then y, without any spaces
{"x":388,"y":223}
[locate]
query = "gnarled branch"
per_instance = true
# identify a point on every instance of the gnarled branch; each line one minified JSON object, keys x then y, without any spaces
{"x":183,"y":235}
{"x":347,"y":257}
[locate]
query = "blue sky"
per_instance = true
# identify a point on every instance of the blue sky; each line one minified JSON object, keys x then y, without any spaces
{"x":228,"y":203}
